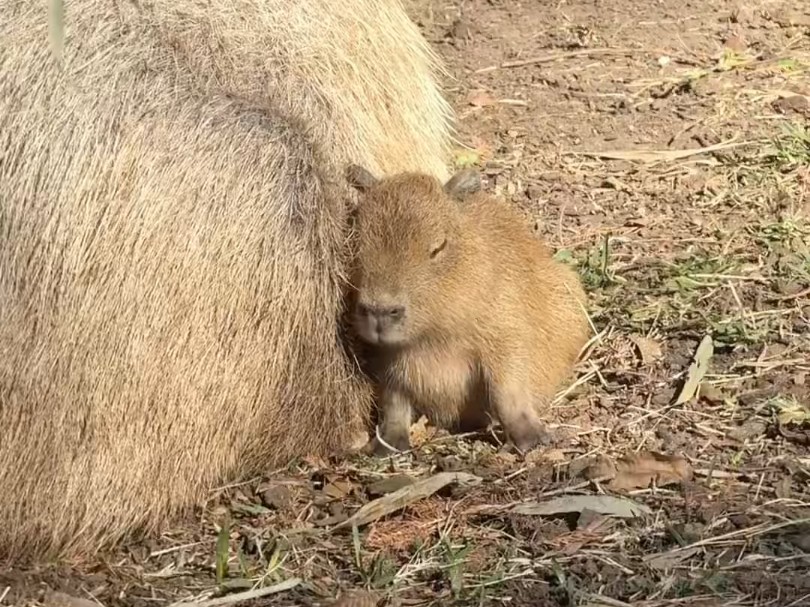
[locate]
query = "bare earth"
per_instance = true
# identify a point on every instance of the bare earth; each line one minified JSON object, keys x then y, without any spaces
{"x":580,"y":113}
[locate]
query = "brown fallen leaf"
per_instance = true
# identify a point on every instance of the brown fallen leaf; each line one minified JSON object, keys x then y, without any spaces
{"x":711,"y":393}
{"x":637,"y":471}
{"x":648,"y":349}
{"x":590,"y":521}
{"x":545,"y":456}
{"x":406,"y":495}
{"x":420,"y":432}
{"x":668,"y":560}
{"x":338,"y":489}
{"x":60,"y":599}
{"x":390,"y":484}
{"x":357,"y":598}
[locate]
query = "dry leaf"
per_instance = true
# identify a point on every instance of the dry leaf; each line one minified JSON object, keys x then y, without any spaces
{"x":60,"y":599}
{"x":736,"y":43}
{"x":419,"y":432}
{"x":315,"y":462}
{"x":390,"y":484}
{"x":696,"y":370}
{"x":784,"y":487}
{"x":338,"y":489}
{"x":481,"y":99}
{"x":545,"y":456}
{"x":357,"y":598}
{"x":590,"y":521}
{"x":637,"y":471}
{"x":668,"y":560}
{"x":608,"y":505}
{"x":711,"y":393}
{"x":793,"y":413}
{"x":648,"y":349}
{"x":801,"y":541}
{"x":402,"y":497}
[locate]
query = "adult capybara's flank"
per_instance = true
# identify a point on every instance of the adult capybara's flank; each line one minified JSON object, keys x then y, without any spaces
{"x":462,"y":310}
{"x":173,"y":223}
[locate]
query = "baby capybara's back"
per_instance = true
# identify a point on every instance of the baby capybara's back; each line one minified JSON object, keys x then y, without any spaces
{"x":528,"y":286}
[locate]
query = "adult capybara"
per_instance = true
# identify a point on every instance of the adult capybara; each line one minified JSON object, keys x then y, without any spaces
{"x":460,"y":310}
{"x":172,"y":246}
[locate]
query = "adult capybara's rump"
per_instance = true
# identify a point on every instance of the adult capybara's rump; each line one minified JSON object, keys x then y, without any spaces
{"x":171,"y":248}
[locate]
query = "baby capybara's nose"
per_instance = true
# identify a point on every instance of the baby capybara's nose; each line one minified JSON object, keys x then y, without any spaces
{"x":389,"y":313}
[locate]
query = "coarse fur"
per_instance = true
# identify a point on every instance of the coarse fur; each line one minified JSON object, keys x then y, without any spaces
{"x":464,"y":314}
{"x":172,"y":246}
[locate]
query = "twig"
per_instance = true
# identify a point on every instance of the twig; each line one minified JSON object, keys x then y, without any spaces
{"x":756,"y":530}
{"x":598,"y":600}
{"x":239,"y":597}
{"x":588,"y":52}
{"x":173,"y":549}
{"x":649,"y":156}
{"x":798,"y":295}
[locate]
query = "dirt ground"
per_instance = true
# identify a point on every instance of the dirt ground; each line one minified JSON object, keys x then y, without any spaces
{"x":663,"y":148}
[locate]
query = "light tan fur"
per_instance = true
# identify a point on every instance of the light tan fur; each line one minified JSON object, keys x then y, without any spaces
{"x":172,"y":246}
{"x":463,"y":311}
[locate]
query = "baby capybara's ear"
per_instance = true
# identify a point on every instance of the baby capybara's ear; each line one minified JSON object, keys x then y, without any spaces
{"x":360,"y":178}
{"x":463,"y":183}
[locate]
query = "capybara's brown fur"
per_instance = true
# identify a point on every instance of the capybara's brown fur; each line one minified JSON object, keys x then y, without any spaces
{"x":173,"y":222}
{"x":464,"y":313}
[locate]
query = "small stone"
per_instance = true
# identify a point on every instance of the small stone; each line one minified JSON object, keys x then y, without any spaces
{"x":460,"y":30}
{"x":801,"y":541}
{"x":277,"y":496}
{"x":742,"y":14}
{"x":750,"y":429}
{"x":784,"y":488}
{"x":534,"y":192}
{"x":450,"y":464}
{"x":795,"y":103}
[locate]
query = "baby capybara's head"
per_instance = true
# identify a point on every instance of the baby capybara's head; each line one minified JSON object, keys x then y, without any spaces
{"x":411,"y":253}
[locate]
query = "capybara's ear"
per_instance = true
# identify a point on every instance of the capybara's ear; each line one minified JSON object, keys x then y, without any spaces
{"x":360,"y":178}
{"x":463,"y":183}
